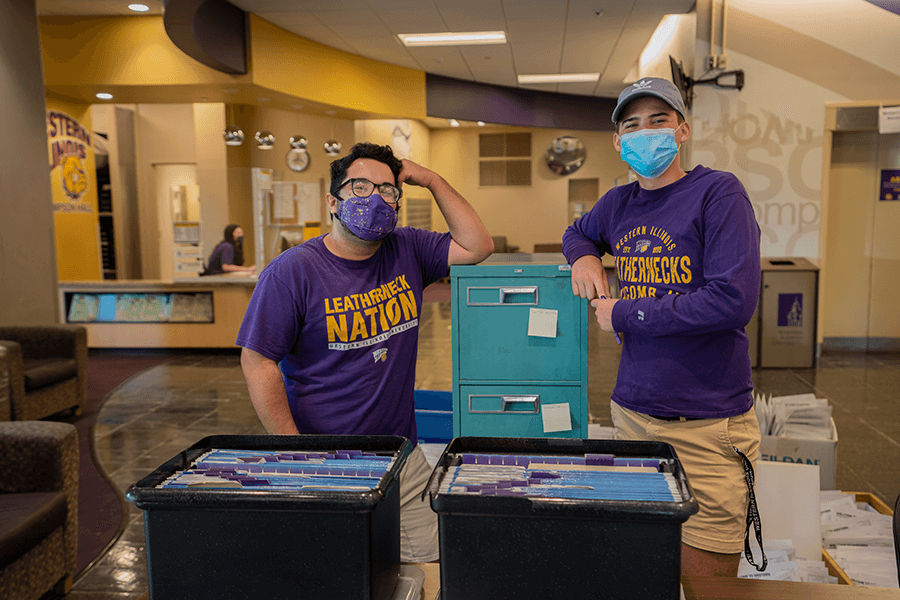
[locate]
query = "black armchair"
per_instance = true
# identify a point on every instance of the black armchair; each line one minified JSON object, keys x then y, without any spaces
{"x":38,"y":508}
{"x":47,"y":369}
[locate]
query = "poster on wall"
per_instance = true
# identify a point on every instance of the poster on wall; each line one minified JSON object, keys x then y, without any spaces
{"x":890,"y":185}
{"x":889,"y":119}
{"x":70,"y":149}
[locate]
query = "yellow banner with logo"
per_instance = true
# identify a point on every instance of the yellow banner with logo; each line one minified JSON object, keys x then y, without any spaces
{"x":73,"y":181}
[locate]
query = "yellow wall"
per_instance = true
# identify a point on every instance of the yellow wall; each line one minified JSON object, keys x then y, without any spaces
{"x":133,"y":58}
{"x":73,"y":181}
{"x":526,"y":215}
{"x":118,"y":51}
{"x":288,"y":63}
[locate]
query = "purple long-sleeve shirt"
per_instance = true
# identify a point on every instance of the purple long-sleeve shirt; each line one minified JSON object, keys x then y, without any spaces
{"x":687,"y":259}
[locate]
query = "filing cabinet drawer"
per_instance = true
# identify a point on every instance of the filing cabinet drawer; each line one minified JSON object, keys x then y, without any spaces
{"x":494,"y":315}
{"x":517,"y":410}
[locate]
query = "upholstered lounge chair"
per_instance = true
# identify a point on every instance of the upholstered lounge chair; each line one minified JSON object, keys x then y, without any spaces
{"x":47,"y":367}
{"x":38,"y":508}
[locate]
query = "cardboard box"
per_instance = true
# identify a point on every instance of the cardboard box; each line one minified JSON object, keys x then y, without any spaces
{"x":803,"y":451}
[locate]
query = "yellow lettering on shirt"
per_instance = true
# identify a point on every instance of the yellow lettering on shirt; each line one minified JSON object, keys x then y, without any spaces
{"x":392,"y":312}
{"x":359,"y":327}
{"x":686,"y":268}
{"x":337,"y":327}
{"x":408,"y":303}
{"x":370,"y":313}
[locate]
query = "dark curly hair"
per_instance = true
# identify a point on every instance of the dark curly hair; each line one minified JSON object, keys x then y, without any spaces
{"x":364,"y":150}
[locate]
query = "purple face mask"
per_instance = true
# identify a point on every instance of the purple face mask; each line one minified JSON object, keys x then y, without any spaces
{"x":368,"y":218}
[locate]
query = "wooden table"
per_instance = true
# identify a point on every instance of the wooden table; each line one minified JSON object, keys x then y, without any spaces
{"x":728,"y":588}
{"x":721,"y":588}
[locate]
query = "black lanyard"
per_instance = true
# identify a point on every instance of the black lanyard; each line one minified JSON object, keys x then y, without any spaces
{"x":752,"y":516}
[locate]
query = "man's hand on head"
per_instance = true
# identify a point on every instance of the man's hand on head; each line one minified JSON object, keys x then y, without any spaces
{"x":415,"y":174}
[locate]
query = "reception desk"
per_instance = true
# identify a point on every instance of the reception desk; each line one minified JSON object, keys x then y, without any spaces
{"x":194,"y":312}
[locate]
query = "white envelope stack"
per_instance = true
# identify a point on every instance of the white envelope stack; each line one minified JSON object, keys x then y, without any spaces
{"x":783,"y":565}
{"x":859,"y":538}
{"x":800,"y":416}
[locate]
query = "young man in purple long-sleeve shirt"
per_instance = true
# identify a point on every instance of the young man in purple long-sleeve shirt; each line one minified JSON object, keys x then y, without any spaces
{"x":686,"y":247}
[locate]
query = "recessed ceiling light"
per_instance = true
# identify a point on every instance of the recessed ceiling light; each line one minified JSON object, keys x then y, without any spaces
{"x":453,"y":122}
{"x":560,"y":78}
{"x":453,"y":39}
{"x":138,"y":7}
{"x":104,"y":96}
{"x":481,"y":123}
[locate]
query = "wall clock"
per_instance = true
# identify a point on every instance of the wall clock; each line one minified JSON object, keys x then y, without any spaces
{"x":565,"y":155}
{"x":297,"y":158}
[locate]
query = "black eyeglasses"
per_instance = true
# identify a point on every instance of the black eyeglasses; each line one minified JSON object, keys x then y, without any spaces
{"x":363,"y":188}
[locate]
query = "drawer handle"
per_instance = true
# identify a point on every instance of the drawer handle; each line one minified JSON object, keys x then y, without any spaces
{"x":511,"y":402}
{"x":507,"y":296}
{"x":519,"y":291}
{"x":509,"y":405}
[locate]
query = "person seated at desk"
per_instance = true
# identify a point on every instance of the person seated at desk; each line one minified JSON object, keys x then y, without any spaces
{"x":228,"y":255}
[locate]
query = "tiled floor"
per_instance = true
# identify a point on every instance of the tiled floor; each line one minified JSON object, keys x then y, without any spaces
{"x":170,"y":407}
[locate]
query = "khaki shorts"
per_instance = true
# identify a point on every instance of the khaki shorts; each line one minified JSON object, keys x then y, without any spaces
{"x":714,"y":470}
{"x":418,"y":523}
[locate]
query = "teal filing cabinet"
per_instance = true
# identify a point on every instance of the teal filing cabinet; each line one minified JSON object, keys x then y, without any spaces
{"x":519,"y":348}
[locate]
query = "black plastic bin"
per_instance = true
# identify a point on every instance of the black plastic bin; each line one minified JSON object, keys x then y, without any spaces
{"x":525,"y":548}
{"x":218,"y":544}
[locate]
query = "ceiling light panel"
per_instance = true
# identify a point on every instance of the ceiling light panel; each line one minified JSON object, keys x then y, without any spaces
{"x":470,"y":38}
{"x":559,"y":78}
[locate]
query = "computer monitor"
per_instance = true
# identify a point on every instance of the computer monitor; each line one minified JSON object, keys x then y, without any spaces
{"x":684,"y":83}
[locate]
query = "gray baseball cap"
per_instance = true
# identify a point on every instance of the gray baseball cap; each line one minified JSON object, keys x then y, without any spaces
{"x":650,"y":86}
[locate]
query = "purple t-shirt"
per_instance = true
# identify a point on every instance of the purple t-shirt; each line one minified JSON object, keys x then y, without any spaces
{"x":345,"y":333}
{"x":223,"y":254}
{"x":687,"y":259}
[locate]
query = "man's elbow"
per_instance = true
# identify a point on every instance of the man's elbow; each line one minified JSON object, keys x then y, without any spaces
{"x":480,"y":252}
{"x":487,"y":248}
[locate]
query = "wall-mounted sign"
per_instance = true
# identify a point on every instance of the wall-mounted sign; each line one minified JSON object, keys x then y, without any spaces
{"x":70,"y":147}
{"x":890,"y":184}
{"x":889,"y":119}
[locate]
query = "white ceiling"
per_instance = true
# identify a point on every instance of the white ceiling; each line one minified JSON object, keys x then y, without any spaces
{"x":554,"y":36}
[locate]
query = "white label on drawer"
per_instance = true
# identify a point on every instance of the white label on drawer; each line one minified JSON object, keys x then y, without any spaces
{"x":542,"y":322}
{"x":556,"y":417}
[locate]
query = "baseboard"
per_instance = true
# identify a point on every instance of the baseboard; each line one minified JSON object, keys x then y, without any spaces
{"x":858,"y":344}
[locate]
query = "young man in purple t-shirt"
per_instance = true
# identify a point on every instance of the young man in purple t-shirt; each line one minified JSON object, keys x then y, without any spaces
{"x":331,"y":333}
{"x":686,"y":246}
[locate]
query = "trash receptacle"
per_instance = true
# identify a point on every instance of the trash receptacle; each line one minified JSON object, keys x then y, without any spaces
{"x":787,"y":313}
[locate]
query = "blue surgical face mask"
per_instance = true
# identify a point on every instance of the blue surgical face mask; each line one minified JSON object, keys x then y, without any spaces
{"x":649,"y":151}
{"x":368,"y":218}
